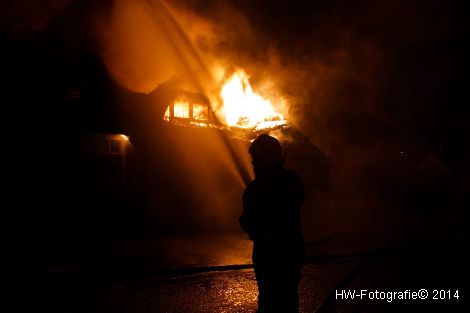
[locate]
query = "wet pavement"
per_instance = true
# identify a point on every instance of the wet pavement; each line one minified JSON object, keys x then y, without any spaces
{"x":164,"y":253}
{"x":214,"y":274}
{"x":214,"y":291}
{"x":227,"y":291}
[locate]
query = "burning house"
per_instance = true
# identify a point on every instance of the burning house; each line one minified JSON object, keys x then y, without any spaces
{"x":184,"y":158}
{"x":245,"y":115}
{"x":189,"y":141}
{"x":194,"y":160}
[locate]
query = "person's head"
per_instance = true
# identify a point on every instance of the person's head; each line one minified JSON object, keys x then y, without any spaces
{"x":266,"y":153}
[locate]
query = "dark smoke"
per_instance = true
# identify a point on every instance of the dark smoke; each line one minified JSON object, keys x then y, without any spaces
{"x":376,"y":85}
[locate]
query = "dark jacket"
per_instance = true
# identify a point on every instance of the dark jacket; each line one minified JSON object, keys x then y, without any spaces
{"x":271,"y":216}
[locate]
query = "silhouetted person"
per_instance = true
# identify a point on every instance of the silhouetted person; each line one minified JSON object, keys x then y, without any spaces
{"x":271,"y":217}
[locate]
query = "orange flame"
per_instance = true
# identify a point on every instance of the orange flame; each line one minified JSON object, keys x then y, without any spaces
{"x":187,"y":113}
{"x":244,"y":108}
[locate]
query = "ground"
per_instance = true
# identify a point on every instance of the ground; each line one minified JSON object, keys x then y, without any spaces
{"x":214,"y":274}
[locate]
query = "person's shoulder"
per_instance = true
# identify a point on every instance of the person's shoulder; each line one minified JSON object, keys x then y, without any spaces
{"x":292,"y":177}
{"x":250,"y":191}
{"x":291,"y":174}
{"x":251,"y":185}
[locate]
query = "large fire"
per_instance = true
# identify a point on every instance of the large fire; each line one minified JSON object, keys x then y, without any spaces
{"x":241,"y":107}
{"x":244,"y":108}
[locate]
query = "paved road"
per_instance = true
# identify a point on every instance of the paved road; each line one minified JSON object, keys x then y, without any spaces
{"x":177,"y":275}
{"x":218,"y":291}
{"x":228,"y":291}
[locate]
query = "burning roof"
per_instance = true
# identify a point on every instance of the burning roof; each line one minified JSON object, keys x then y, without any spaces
{"x":243,"y":115}
{"x":241,"y":110}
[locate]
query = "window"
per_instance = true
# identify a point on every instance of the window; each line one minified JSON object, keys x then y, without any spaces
{"x":181,"y":109}
{"x":200,"y":112}
{"x":186,"y":112}
{"x":109,"y":145}
{"x":115,"y":146}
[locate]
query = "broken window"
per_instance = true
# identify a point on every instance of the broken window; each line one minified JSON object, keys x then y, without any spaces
{"x":200,"y":112}
{"x":181,"y":109}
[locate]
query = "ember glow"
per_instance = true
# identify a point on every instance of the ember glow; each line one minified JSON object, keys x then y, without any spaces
{"x":241,"y":108}
{"x":181,"y":109}
{"x":187,"y":112}
{"x":244,"y":108}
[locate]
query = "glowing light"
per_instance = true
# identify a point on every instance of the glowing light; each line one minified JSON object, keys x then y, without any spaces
{"x":244,"y":108}
{"x":181,"y":109}
{"x":200,"y":112}
{"x":187,"y":113}
{"x":126,"y":138}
